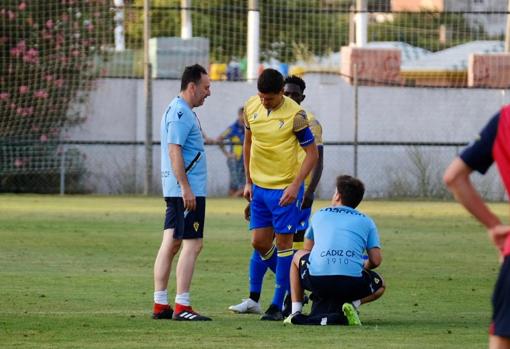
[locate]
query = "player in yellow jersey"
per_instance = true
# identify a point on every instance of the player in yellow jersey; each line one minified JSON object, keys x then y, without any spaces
{"x":294,"y":88}
{"x":276,"y":128}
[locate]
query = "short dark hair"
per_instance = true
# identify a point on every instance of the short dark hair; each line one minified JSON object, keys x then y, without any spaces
{"x":192,"y":73}
{"x":270,"y":81}
{"x":351,"y":190}
{"x":296,"y":80}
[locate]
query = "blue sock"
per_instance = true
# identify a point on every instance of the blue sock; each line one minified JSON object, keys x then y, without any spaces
{"x":270,"y":259}
{"x":282,"y":276}
{"x":258,"y":269}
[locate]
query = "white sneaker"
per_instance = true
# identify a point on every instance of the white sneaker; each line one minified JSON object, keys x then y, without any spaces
{"x":247,"y":306}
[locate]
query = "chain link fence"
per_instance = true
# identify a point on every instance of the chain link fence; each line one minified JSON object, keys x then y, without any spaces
{"x":389,"y":170}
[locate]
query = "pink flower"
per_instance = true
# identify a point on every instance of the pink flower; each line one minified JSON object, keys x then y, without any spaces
{"x":59,"y":83}
{"x":35,"y":128}
{"x":48,"y":77}
{"x":44,"y":138}
{"x":25,"y":111}
{"x":22,"y":6}
{"x":23,"y":89}
{"x":42,"y":94}
{"x":19,"y":162}
{"x":4,"y":96}
{"x":15,"y":52}
{"x":11,"y":15}
{"x":75,"y":53}
{"x":32,"y":56}
{"x":49,"y":24}
{"x":20,"y":49}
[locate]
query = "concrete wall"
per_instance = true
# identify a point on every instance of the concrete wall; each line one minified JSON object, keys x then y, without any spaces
{"x":116,"y":112}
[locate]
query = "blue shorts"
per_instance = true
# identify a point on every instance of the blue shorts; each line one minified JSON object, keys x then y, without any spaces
{"x":500,"y":325}
{"x":186,"y":224}
{"x":304,"y":217}
{"x":267,"y":212}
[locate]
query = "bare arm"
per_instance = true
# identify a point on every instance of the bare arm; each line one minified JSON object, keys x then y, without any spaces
{"x":457,"y":179}
{"x":308,"y":244}
{"x":374,"y":258}
{"x":246,"y":158}
{"x":180,"y":174}
{"x":459,"y":183}
{"x":290,"y":193}
{"x":316,"y":176}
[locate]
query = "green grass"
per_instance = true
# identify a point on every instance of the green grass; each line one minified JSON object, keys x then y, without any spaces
{"x":76,"y":272}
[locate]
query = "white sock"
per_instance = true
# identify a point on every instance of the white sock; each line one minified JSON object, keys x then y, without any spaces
{"x":297,"y":307}
{"x":182,"y":299}
{"x":356,"y":303}
{"x":161,"y":297}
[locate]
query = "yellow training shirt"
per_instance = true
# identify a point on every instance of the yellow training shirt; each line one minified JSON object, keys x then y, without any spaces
{"x":274,"y":150}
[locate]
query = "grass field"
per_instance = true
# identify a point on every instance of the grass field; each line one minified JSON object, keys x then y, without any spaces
{"x":76,"y":272}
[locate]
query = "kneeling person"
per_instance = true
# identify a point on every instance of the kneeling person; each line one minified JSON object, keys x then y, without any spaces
{"x":332,"y":264}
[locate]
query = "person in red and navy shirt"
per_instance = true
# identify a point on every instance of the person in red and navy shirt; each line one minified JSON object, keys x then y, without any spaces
{"x":492,"y":145}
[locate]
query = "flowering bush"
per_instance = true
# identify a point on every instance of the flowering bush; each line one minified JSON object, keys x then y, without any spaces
{"x":46,"y":55}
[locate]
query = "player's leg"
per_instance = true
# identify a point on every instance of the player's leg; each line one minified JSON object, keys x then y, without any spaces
{"x":163,"y":263}
{"x":186,"y":266}
{"x":371,"y":288}
{"x":232,"y":176}
{"x":191,"y":232}
{"x":257,"y":271}
{"x":500,"y":327}
{"x":285,"y":222}
{"x":162,"y":267}
{"x":240,"y":178}
{"x":497,"y":342}
{"x":262,"y":242}
{"x":377,"y":286}
{"x":261,"y":226}
{"x":299,"y":237}
{"x":298,"y":272}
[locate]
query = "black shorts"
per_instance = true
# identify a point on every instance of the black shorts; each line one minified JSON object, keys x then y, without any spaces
{"x":186,"y":224}
{"x":501,"y":302}
{"x":339,"y":288}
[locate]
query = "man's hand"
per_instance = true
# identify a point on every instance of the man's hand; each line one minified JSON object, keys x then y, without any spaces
{"x":289,"y":195}
{"x":247,"y":212}
{"x":498,"y":234}
{"x":188,"y":198}
{"x":307,"y":201}
{"x":248,"y":192}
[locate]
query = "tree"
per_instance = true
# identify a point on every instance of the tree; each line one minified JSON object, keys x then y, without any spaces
{"x":46,"y":49}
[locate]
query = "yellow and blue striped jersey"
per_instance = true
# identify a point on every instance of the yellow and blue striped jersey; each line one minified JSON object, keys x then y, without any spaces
{"x":274,"y":151}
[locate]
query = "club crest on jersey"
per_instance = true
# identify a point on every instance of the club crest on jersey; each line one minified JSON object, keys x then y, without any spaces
{"x":179,"y":114}
{"x":281,"y":123}
{"x":196,"y":225}
{"x":255,"y":116}
{"x":289,"y":227}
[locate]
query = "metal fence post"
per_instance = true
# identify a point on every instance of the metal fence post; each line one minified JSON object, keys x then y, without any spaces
{"x":147,"y":189}
{"x":356,"y":117}
{"x":63,"y":170}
